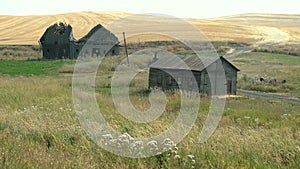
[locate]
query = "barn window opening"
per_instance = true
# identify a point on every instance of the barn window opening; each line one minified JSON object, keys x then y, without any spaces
{"x":229,"y":86}
{"x":169,"y":80}
{"x":159,"y":79}
{"x":113,"y":52}
{"x":191,"y":82}
{"x":48,"y":50}
{"x":77,"y":50}
{"x":179,"y":80}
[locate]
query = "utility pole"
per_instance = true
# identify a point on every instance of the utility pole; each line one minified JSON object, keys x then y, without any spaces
{"x":126,"y":48}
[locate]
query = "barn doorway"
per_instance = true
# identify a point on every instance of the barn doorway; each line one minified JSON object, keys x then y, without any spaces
{"x":229,"y":86}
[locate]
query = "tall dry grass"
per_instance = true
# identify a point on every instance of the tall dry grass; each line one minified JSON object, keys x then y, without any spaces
{"x":39,"y":129}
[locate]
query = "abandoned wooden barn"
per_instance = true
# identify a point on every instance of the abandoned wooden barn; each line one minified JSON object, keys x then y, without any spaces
{"x":171,"y":74}
{"x":58,"y":42}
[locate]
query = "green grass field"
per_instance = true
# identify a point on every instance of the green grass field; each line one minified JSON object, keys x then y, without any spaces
{"x":270,"y":66}
{"x":31,"y":67}
{"x":39,"y":127}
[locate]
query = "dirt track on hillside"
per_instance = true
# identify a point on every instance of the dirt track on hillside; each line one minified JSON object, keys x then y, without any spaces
{"x":271,"y":36}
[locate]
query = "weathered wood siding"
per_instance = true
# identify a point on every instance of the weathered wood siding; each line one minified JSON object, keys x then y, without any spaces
{"x":56,"y":46}
{"x":162,"y":78}
{"x":58,"y":43}
{"x":175,"y":79}
{"x":231,"y":77}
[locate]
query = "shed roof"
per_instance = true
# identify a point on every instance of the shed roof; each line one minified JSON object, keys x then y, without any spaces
{"x":99,"y":33}
{"x":187,"y":62}
{"x":90,"y":33}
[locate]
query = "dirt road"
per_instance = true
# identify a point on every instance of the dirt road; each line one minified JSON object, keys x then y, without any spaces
{"x":269,"y":96}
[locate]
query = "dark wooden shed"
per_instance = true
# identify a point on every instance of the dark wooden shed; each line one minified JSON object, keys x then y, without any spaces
{"x":58,"y":42}
{"x":170,"y":74}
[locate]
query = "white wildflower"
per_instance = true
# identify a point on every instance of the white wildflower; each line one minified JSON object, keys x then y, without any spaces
{"x":114,"y":143}
{"x":168,"y":143}
{"x":136,"y":145}
{"x":107,"y":136}
{"x":33,"y":107}
{"x":128,"y":136}
{"x":190,"y":156}
{"x":152,"y":143}
{"x":123,"y":140}
{"x":177,"y":156}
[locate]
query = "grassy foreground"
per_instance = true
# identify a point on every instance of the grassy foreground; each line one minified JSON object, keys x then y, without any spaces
{"x":39,"y":129}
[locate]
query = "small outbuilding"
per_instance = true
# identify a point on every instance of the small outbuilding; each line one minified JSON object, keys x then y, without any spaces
{"x":58,"y":42}
{"x":171,"y":74}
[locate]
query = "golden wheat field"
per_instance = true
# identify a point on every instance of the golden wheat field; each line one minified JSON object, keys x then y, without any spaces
{"x":249,"y":28}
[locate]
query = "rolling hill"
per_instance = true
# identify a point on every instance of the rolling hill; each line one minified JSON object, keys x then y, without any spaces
{"x":250,"y":28}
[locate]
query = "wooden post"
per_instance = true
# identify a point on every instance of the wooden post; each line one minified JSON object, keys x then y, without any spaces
{"x":126,"y":48}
